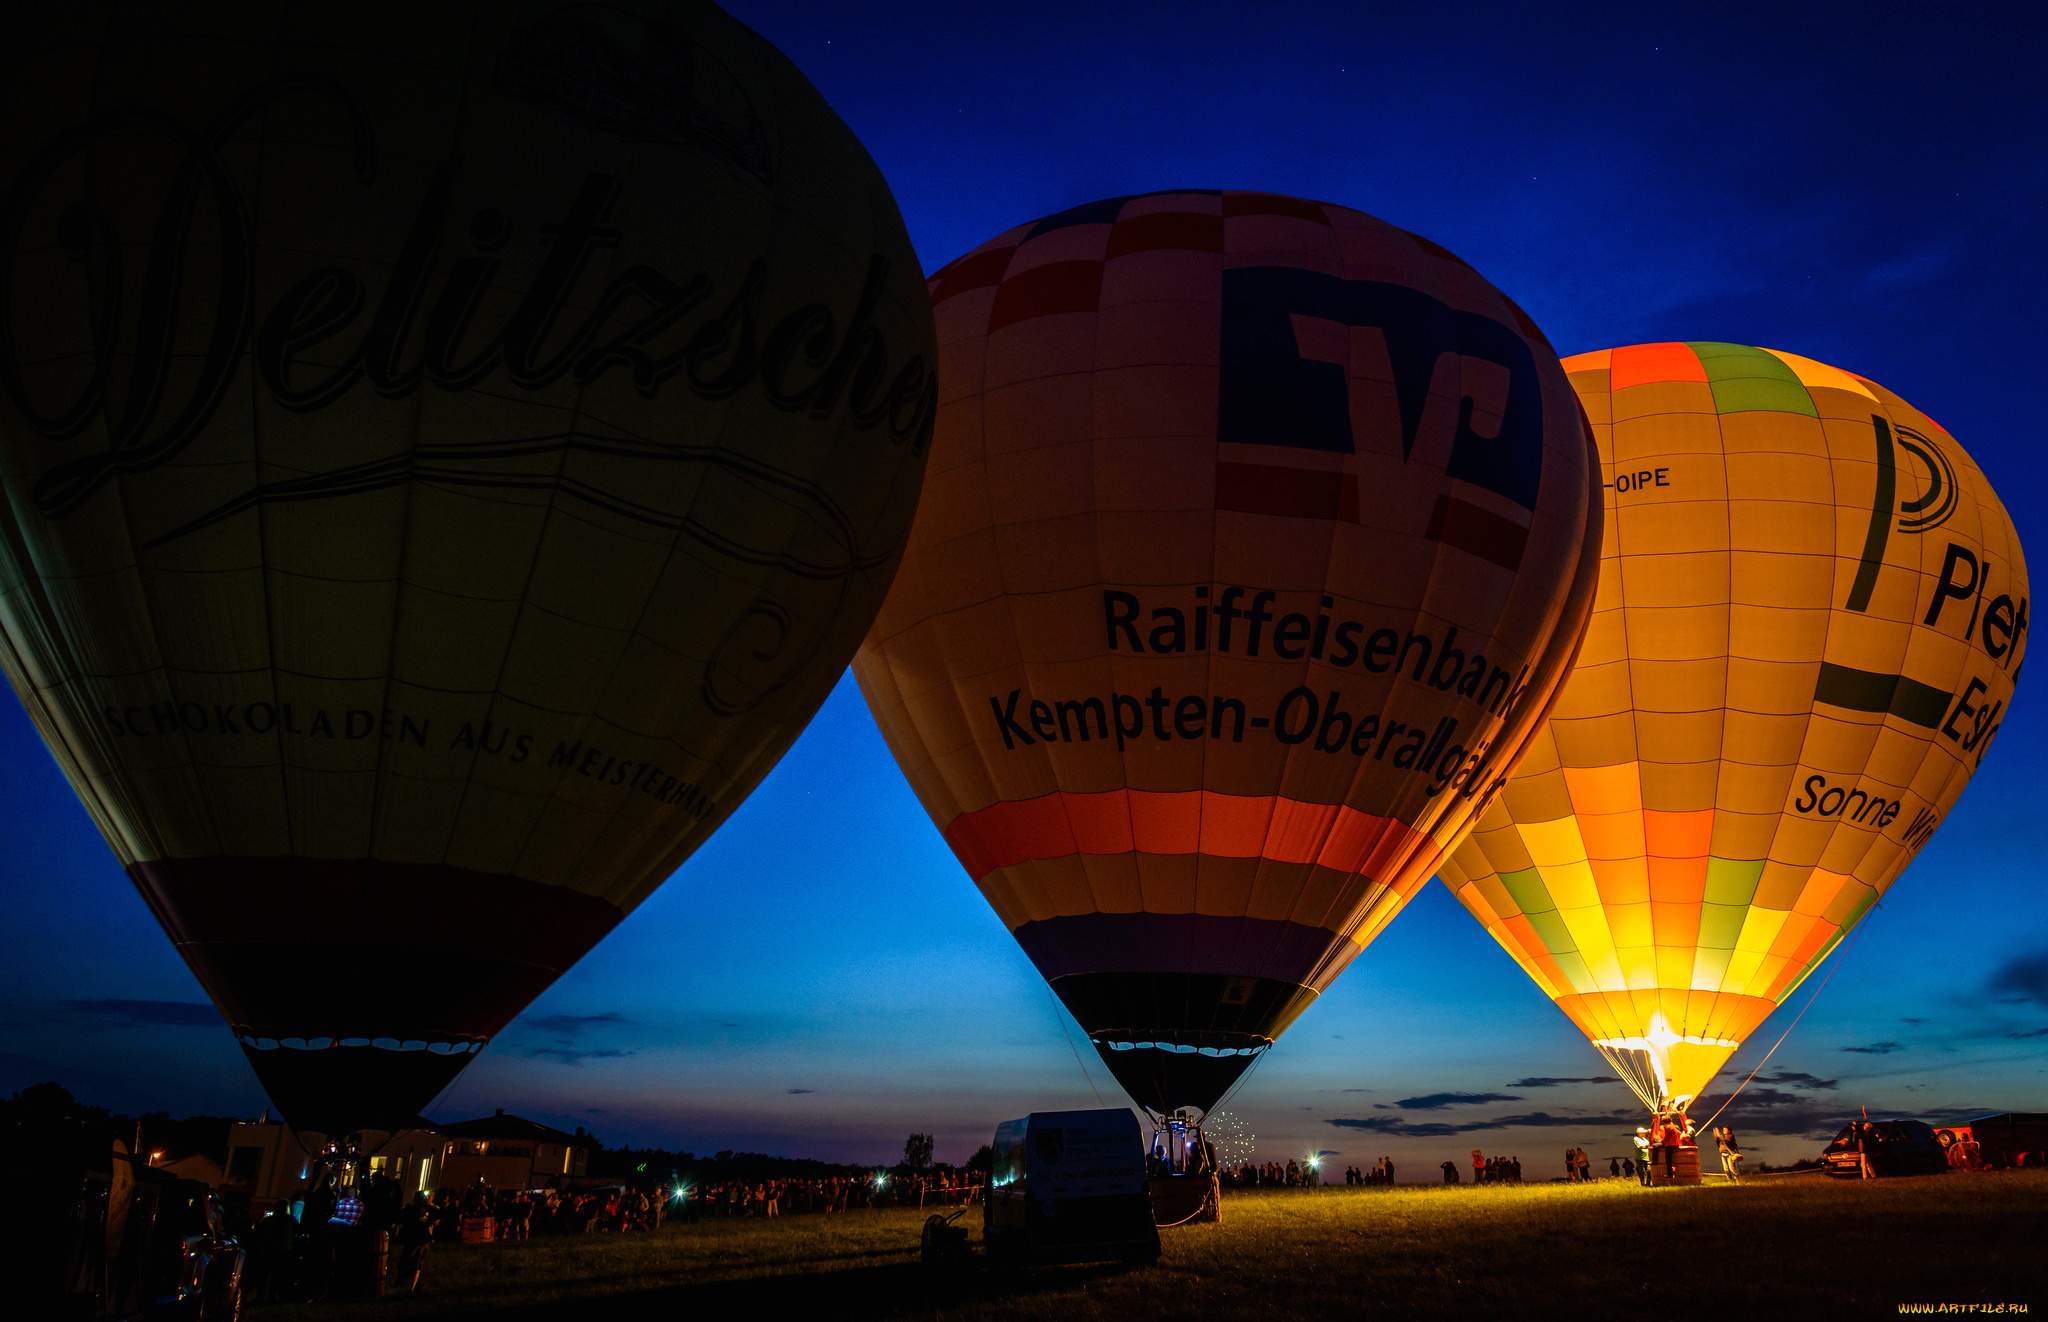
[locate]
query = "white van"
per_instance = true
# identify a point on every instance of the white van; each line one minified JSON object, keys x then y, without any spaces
{"x":1069,"y":1186}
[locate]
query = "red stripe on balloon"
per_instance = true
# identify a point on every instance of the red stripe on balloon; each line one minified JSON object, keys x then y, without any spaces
{"x":1183,"y":230}
{"x":1044,"y":290}
{"x":1646,"y":364}
{"x":1059,"y":825}
{"x":976,"y":272}
{"x":1478,"y":532}
{"x":1302,"y":493}
{"x":1273,"y":204}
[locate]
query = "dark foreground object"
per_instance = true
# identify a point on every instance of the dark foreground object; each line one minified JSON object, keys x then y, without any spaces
{"x":1800,"y":1246}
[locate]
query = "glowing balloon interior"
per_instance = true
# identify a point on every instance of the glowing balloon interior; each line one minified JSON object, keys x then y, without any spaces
{"x":1812,"y":609}
{"x":1257,"y":537}
{"x":449,"y":453}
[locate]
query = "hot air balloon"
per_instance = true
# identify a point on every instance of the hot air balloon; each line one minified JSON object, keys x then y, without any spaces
{"x":1257,"y":536}
{"x":449,"y":452}
{"x":1811,"y":612}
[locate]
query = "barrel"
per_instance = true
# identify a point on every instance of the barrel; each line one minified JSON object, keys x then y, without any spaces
{"x":1177,"y":1199}
{"x":1686,"y":1168}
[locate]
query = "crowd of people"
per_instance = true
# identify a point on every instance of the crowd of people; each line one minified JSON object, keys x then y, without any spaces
{"x":1382,"y":1173}
{"x":1270,"y":1175}
{"x":339,"y":1241}
{"x":766,"y":1198}
{"x":1487,"y":1170}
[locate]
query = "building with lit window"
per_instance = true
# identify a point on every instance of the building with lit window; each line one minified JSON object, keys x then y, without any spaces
{"x":270,"y":1162}
{"x":509,"y":1152}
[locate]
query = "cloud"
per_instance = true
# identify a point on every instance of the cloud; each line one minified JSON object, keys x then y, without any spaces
{"x":156,"y":1014}
{"x":1912,"y":1021}
{"x":1876,"y":1049}
{"x":1437,"y":1101}
{"x":1546,"y":1082}
{"x":1762,"y":1097}
{"x":569,"y":1056}
{"x":569,"y":1025}
{"x":1795,"y":1079}
{"x":1906,"y":272}
{"x":798,"y":1092}
{"x":2025,"y":974}
{"x":1395,"y":1125}
{"x":2039,"y":1032}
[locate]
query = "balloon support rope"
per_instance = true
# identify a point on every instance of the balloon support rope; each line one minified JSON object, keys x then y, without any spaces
{"x":1788,"y":1029}
{"x":1061,"y":1021}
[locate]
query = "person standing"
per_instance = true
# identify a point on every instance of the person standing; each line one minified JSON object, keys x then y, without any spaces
{"x":415,"y":1236}
{"x":1731,"y":1155}
{"x":1585,"y":1167}
{"x":1642,"y":1142}
{"x":1478,"y":1166}
{"x":1450,"y":1172}
{"x":1614,"y":1168}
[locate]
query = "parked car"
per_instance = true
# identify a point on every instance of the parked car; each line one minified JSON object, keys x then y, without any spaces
{"x":197,"y":1268}
{"x":1994,"y":1142}
{"x":127,"y":1239}
{"x":1895,"y":1147}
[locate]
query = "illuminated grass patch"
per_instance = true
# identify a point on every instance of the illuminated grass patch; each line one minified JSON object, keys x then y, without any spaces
{"x":1777,"y":1246}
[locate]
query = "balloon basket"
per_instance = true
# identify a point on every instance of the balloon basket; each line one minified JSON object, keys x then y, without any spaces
{"x":479,"y":1229}
{"x":1183,"y":1199}
{"x":1685,"y":1170}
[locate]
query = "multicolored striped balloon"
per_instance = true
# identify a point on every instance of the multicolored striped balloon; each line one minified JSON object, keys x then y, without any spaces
{"x":1812,"y":610}
{"x":1257,"y":536}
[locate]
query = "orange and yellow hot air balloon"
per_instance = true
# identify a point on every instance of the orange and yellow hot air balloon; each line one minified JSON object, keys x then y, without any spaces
{"x":1812,"y":609}
{"x":1257,"y":536}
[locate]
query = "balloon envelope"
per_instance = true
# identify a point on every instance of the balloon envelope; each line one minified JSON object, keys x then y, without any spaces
{"x":1257,"y":535}
{"x":449,"y":453}
{"x":1812,"y":609}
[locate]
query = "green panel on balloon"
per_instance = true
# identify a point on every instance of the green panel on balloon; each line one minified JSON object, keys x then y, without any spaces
{"x":1746,"y":380}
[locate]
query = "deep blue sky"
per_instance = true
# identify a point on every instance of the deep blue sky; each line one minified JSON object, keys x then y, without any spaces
{"x":1867,"y":186}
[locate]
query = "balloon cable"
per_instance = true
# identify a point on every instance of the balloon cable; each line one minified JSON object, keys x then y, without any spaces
{"x":1788,"y":1029}
{"x":1061,"y":1020}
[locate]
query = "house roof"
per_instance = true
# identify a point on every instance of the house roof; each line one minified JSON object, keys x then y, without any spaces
{"x":502,"y":1126}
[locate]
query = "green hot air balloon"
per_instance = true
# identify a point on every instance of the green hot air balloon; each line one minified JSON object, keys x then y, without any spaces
{"x":449,"y":452}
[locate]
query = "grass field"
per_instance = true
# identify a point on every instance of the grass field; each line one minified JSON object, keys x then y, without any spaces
{"x":1778,"y":1246}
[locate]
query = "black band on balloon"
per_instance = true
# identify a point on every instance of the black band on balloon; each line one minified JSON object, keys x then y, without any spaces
{"x":342,"y":1085}
{"x":252,"y":1040}
{"x":1166,"y":1007}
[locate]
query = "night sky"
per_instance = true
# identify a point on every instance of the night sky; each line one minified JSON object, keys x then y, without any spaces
{"x":1867,"y":187}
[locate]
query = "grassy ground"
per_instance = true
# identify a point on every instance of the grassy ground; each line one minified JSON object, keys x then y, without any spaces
{"x":1778,"y":1246}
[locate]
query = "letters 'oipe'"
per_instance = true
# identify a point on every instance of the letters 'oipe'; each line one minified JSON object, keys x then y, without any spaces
{"x":449,"y":452}
{"x":1812,"y":610}
{"x":1257,"y":537}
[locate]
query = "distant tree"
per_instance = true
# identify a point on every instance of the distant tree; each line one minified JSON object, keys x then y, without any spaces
{"x":983,"y":1160}
{"x":917,"y":1151}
